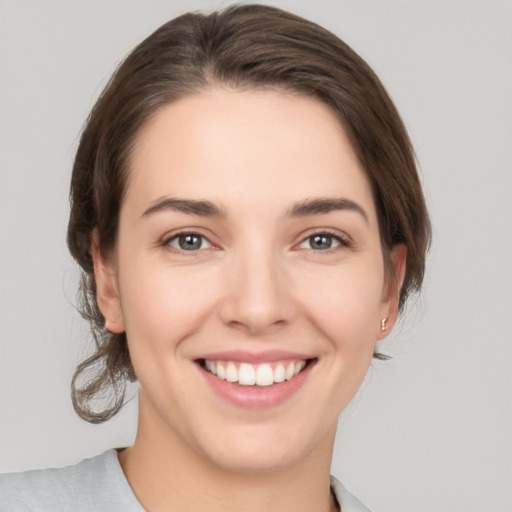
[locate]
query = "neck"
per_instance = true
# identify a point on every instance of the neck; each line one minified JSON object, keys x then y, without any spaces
{"x":166,"y":473}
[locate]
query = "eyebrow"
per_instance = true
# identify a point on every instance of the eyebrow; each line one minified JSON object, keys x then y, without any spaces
{"x":189,"y":206}
{"x":317,"y":206}
{"x":320,"y":206}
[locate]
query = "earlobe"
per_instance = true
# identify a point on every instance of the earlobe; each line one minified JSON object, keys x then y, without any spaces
{"x":389,"y":310}
{"x":107,"y":290}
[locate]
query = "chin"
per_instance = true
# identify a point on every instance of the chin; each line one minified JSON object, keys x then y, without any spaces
{"x":260,"y":451}
{"x":251,"y":461}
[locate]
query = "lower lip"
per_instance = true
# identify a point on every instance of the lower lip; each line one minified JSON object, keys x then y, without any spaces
{"x":257,"y":397}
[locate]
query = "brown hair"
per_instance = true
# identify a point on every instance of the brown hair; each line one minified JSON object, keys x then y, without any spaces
{"x":249,"y":46}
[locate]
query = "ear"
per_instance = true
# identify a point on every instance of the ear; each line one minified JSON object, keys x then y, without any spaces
{"x":107,"y":289}
{"x":391,"y":296}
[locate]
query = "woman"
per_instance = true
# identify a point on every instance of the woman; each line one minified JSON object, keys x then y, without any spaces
{"x":249,"y":221}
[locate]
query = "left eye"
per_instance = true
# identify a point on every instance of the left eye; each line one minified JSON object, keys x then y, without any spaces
{"x":320,"y":242}
{"x":189,"y":242}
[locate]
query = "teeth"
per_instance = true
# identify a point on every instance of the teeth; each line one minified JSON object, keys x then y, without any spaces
{"x":264,"y":375}
{"x":231,"y":373}
{"x":249,"y":375}
{"x":221,"y":371}
{"x":290,"y":370}
{"x":246,"y":375}
{"x":279,"y":374}
{"x":299,"y":367}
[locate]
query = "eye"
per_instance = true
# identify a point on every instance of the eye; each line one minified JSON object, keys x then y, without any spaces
{"x":322,"y":242}
{"x":189,"y":242}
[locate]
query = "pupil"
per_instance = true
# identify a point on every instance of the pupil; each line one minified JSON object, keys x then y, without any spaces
{"x":321,"y":242}
{"x":190,"y":242}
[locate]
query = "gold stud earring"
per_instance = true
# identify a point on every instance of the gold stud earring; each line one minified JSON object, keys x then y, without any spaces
{"x":383,"y":324}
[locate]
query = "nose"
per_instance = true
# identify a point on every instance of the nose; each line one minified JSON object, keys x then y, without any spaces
{"x":258,"y":298}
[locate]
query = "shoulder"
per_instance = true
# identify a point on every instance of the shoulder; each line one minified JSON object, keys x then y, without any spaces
{"x":92,"y":484}
{"x":348,"y":502}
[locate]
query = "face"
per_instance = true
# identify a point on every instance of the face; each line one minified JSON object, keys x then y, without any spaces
{"x":248,"y":248}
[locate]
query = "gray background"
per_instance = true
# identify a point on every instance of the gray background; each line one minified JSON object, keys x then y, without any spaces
{"x":432,"y":429}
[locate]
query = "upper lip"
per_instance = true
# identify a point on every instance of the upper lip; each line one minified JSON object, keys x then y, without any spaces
{"x":265,"y":356}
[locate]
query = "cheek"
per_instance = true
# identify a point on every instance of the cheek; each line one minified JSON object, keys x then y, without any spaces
{"x":346,"y":307}
{"x":163,"y":305}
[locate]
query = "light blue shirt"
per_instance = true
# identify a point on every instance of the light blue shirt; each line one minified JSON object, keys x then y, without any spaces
{"x":94,"y":485}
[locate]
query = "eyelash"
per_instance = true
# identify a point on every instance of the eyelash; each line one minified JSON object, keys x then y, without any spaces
{"x":343,"y":241}
{"x":176,"y":237}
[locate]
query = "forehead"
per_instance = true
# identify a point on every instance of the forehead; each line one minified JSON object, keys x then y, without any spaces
{"x":245,"y":148}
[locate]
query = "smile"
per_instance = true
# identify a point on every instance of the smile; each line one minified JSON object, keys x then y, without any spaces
{"x":260,"y":380}
{"x":247,"y":374}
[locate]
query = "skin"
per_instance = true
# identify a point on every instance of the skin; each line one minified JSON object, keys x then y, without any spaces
{"x":256,"y":283}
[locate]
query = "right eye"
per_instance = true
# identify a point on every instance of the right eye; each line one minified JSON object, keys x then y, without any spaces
{"x":188,"y":242}
{"x":321,"y":242}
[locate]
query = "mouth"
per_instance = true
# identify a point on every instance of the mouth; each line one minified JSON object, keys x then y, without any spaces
{"x":255,"y":375}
